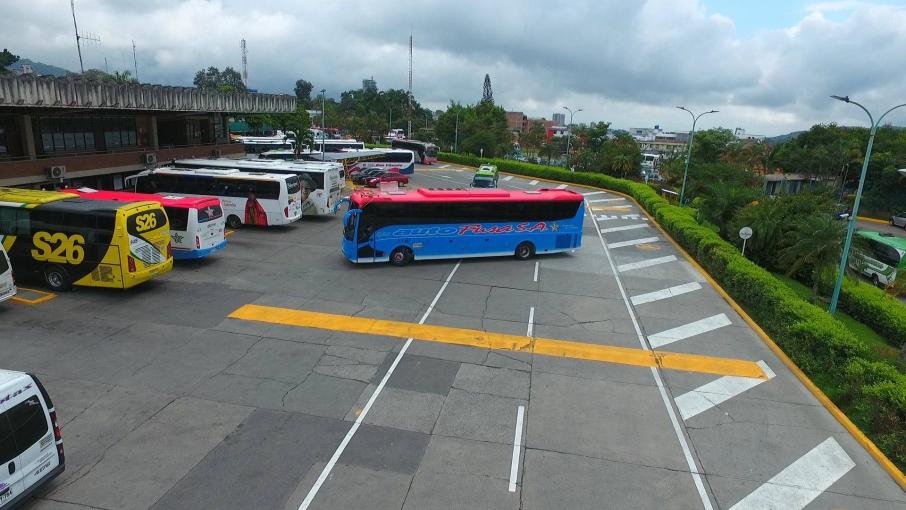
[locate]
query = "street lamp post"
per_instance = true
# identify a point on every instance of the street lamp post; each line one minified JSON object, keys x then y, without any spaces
{"x":323,"y":114}
{"x":689,"y":152}
{"x":838,"y":284}
{"x":569,"y":131}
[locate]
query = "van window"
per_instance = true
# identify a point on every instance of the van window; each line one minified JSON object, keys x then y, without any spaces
{"x":7,"y":445}
{"x":178,"y":216}
{"x":28,"y":421}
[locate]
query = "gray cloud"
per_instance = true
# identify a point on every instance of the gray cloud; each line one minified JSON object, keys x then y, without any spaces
{"x":626,"y":62}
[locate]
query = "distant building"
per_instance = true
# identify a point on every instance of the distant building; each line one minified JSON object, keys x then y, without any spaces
{"x":515,"y":121}
{"x":656,"y":141}
{"x":559,"y":119}
{"x":369,"y":85}
{"x":741,"y":134}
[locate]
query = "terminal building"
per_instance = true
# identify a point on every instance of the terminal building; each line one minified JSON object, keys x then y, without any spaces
{"x":57,"y":131}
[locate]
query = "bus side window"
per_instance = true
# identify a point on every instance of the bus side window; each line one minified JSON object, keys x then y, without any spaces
{"x":14,"y":221}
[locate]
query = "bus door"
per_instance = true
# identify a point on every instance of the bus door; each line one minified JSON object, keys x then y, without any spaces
{"x":351,"y":235}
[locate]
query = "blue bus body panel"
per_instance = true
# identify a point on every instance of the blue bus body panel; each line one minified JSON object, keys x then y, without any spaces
{"x":197,"y":254}
{"x":408,"y":169}
{"x":435,"y":241}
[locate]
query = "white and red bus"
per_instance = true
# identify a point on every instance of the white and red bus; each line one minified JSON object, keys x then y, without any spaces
{"x":425,"y":152}
{"x":248,"y":198}
{"x":196,"y":223}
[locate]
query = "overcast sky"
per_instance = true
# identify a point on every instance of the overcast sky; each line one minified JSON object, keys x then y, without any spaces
{"x":768,"y":66}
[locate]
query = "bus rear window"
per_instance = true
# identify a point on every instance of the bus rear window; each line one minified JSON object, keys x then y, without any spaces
{"x":211,"y":212}
{"x":293,"y":185}
{"x":179,"y":217}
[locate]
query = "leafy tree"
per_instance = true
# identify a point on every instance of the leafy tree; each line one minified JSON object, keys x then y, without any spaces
{"x":710,"y":144}
{"x":7,"y":59}
{"x":481,"y":126}
{"x":303,"y":92}
{"x":817,"y":244}
{"x":123,"y":77}
{"x":535,"y":136}
{"x":228,"y":80}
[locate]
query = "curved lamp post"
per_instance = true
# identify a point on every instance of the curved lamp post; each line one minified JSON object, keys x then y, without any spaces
{"x":852,"y":218}
{"x":689,"y":153}
{"x":569,"y":131}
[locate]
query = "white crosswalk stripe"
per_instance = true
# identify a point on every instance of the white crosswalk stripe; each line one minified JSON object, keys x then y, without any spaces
{"x":688,"y":330}
{"x":599,"y":200}
{"x":533,"y":182}
{"x":650,"y":297}
{"x":622,"y":228}
{"x":633,"y":242}
{"x":802,"y":481}
{"x":645,"y":263}
{"x":562,"y":186}
{"x":508,"y":178}
{"x":590,"y":193}
{"x":717,"y":392}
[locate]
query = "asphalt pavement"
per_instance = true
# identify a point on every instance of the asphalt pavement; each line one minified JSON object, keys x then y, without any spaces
{"x":168,"y":402}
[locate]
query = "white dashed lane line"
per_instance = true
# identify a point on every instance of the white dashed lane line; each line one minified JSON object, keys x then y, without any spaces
{"x":633,"y":242}
{"x":624,"y":227}
{"x":631,"y":266}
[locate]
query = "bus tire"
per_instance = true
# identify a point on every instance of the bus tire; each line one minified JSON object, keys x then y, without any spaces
{"x":401,"y":256}
{"x":233,"y":221}
{"x":57,"y":278}
{"x":525,"y":251}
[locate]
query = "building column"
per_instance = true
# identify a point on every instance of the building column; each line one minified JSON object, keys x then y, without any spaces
{"x":153,"y":135}
{"x":28,"y":137}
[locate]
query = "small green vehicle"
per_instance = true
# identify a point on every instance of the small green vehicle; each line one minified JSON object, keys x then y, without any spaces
{"x":485,"y":177}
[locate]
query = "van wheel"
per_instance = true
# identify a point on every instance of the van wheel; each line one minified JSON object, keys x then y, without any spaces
{"x":401,"y":256}
{"x":57,"y":278}
{"x":233,"y":221}
{"x":525,"y":251}
{"x":875,"y":280}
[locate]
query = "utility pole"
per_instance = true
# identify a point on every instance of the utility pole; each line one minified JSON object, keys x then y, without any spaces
{"x":134,"y":61}
{"x":245,"y":66}
{"x":456,"y":133}
{"x":323,"y":114}
{"x":409,"y":112}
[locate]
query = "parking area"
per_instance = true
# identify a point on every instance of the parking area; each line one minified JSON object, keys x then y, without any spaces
{"x":276,"y":375}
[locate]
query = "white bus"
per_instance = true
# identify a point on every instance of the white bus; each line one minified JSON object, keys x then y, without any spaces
{"x":336,"y":145}
{"x":248,"y":198}
{"x":402,"y":159}
{"x":321,"y":181}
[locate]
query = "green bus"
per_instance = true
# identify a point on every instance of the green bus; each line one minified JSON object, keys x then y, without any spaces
{"x":878,"y":256}
{"x":485,"y":177}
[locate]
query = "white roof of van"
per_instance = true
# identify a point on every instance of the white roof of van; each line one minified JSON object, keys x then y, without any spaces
{"x":8,"y":376}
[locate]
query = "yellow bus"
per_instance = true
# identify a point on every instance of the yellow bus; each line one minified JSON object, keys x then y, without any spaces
{"x":67,"y":240}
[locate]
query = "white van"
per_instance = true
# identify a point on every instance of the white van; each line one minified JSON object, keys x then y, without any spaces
{"x":7,"y":283}
{"x":31,"y":447}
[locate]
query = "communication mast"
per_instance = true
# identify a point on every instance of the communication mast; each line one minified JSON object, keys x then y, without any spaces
{"x":245,"y":63}
{"x":78,"y":38}
{"x":409,"y":113}
{"x":134,"y":61}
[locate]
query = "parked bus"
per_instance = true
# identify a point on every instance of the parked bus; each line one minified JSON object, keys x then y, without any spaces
{"x":247,"y":198}
{"x":196,"y":223}
{"x":425,"y":152}
{"x":400,"y":227}
{"x":321,"y":182}
{"x":878,"y":256}
{"x":68,"y":240}
{"x":402,"y":159}
{"x":336,"y":145}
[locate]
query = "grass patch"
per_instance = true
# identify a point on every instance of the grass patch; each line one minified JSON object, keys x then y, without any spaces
{"x":882,"y":349}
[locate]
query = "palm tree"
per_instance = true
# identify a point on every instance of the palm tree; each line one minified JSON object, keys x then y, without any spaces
{"x":122,"y":76}
{"x":817,"y":242}
{"x":621,"y":163}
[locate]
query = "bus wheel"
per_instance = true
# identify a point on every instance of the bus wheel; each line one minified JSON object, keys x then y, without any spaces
{"x":525,"y":251}
{"x":233,"y":221}
{"x":57,"y":278}
{"x":401,"y":256}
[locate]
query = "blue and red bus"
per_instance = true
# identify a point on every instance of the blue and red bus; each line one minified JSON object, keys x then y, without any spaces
{"x":399,"y":226}
{"x":196,"y":223}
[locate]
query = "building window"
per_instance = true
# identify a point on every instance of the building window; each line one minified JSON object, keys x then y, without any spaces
{"x":61,"y":134}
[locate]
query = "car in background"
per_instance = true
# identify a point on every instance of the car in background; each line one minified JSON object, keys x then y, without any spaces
{"x":375,"y":180}
{"x":898,"y":220}
{"x":31,"y":446}
{"x":7,"y":282}
{"x":360,"y":177}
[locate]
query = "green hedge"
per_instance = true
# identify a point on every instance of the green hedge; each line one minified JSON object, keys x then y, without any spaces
{"x":873,"y":393}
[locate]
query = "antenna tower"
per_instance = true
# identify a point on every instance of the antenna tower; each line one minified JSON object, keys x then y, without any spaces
{"x":78,"y":38}
{"x":134,"y":61}
{"x":409,"y":113}
{"x":245,"y":63}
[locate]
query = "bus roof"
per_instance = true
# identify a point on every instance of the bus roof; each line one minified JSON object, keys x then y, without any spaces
{"x":126,"y":196}
{"x":888,"y":239}
{"x":259,"y":164}
{"x":31,"y":196}
{"x":230,"y":172}
{"x":364,"y":197}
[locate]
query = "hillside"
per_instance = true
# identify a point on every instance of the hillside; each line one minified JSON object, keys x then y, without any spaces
{"x":39,"y":68}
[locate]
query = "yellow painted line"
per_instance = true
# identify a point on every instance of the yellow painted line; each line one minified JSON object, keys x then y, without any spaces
{"x":500,"y":341}
{"x":46,"y":296}
{"x":873,"y":220}
{"x":611,"y":208}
